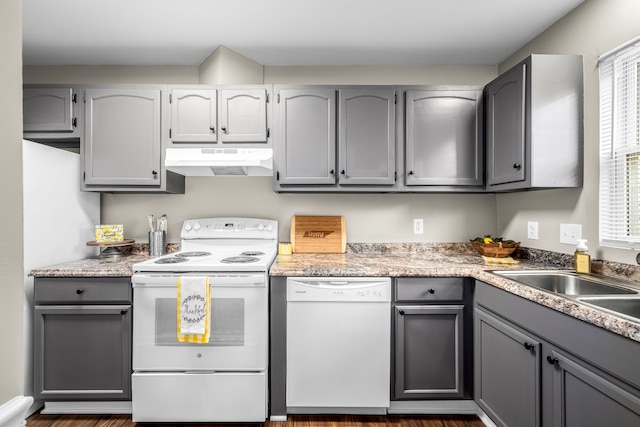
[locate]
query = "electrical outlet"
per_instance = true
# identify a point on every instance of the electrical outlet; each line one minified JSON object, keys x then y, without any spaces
{"x":418,"y":226}
{"x":532,"y":230}
{"x":570,"y":233}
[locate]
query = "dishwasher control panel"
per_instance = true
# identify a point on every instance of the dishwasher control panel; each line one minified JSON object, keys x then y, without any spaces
{"x":364,"y":289}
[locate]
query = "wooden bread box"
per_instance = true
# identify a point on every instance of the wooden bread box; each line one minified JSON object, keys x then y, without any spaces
{"x":318,"y":234}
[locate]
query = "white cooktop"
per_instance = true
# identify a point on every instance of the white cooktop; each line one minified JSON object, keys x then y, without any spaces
{"x":220,"y":245}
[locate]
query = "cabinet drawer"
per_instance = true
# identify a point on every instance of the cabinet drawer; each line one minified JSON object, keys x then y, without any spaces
{"x":82,"y":290}
{"x":429,"y":289}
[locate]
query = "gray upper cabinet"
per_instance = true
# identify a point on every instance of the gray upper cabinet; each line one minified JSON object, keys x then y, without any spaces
{"x":122,"y":142}
{"x":193,"y":115}
{"x":534,"y":124}
{"x":49,"y":109}
{"x":366,"y":138}
{"x":335,"y":139}
{"x":305,"y":146}
{"x":505,"y":127}
{"x":217,"y":115}
{"x":243,"y":115}
{"x":53,"y":114}
{"x":444,"y":145}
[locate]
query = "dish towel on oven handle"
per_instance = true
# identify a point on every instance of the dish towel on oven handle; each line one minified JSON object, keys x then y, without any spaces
{"x":194,"y":309}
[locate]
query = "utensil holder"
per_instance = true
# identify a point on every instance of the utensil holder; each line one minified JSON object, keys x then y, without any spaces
{"x":157,"y":243}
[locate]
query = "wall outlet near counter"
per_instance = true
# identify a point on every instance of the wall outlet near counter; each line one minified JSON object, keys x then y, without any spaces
{"x":570,"y":233}
{"x":532,"y":230}
{"x":418,"y":226}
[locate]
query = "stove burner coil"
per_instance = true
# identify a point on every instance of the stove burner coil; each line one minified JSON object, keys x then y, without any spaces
{"x":192,"y":254}
{"x":252,"y":253}
{"x":239,"y":259}
{"x":170,"y":260}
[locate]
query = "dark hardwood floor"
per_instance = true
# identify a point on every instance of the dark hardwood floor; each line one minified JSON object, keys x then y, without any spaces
{"x":38,"y":420}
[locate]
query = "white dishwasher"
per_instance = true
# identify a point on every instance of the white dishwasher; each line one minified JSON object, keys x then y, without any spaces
{"x":338,"y":345}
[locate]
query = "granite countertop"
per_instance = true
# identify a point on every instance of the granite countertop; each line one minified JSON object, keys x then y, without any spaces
{"x":460,"y":260}
{"x":92,"y":267}
{"x":405,"y":260}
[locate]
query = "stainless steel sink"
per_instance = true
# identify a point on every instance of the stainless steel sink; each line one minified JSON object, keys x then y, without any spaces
{"x":627,"y":306}
{"x":565,"y":283}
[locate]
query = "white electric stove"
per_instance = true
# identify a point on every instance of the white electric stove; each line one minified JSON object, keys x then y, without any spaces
{"x":224,"y":380}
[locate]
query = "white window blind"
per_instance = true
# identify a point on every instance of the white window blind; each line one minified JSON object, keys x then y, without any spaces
{"x":620,"y":147}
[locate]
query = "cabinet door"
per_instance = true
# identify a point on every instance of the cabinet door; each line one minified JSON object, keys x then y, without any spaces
{"x":82,"y":352}
{"x":48,"y":109}
{"x":507,"y":377}
{"x":367,"y":136}
{"x":122,"y":144}
{"x":428,"y":351}
{"x":444,"y":138}
{"x":306,"y":136}
{"x":243,"y":115}
{"x":584,"y":398}
{"x":506,"y":138}
{"x":193,"y":115}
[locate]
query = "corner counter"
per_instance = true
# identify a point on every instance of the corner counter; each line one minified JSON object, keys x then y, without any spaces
{"x":455,"y":260}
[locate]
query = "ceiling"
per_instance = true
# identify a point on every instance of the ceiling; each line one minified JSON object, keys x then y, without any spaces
{"x":283,"y":32}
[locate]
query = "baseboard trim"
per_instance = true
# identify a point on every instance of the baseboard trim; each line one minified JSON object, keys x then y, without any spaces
{"x":434,"y":407}
{"x":119,"y":407}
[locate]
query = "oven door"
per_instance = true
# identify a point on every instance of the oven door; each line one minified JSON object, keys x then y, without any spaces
{"x":239,"y":320}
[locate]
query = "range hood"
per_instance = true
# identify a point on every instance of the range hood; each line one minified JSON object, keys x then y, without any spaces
{"x":220,"y":161}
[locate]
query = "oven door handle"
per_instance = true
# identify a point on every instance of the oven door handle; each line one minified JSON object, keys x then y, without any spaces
{"x":159,"y":280}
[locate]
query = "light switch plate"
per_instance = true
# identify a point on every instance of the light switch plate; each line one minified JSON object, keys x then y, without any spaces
{"x":570,"y":233}
{"x":532,"y":230}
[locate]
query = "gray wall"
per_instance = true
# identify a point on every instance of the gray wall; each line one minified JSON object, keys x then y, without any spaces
{"x":11,"y":364}
{"x":594,"y":28}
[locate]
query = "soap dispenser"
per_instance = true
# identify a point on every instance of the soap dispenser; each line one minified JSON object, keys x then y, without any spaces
{"x":582,"y":258}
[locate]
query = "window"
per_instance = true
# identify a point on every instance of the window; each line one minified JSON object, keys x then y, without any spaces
{"x":620,"y":147}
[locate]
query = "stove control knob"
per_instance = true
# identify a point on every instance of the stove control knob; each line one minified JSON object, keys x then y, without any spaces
{"x":269,"y":227}
{"x":187,"y":226}
{"x":260,"y":227}
{"x":196,"y":226}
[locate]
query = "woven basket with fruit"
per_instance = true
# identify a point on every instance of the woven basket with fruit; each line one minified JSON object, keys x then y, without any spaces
{"x":495,"y":247}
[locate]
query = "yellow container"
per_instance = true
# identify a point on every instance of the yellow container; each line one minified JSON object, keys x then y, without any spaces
{"x":109,"y":233}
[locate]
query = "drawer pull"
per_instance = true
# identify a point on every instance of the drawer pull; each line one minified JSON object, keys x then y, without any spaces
{"x":528,"y":346}
{"x":552,"y":360}
{"x":123,"y":311}
{"x":80,"y":291}
{"x":431,"y":291}
{"x":401,"y":312}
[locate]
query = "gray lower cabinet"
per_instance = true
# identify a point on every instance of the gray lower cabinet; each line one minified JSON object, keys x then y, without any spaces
{"x":534,"y":124}
{"x":82,"y":339}
{"x":429,"y":339}
{"x":444,"y":139}
{"x":538,"y":367}
{"x":508,"y":372}
{"x":122,"y":149}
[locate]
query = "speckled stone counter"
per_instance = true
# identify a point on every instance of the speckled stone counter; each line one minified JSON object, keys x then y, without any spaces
{"x":101,"y":267}
{"x":459,"y":260}
{"x":404,"y":260}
